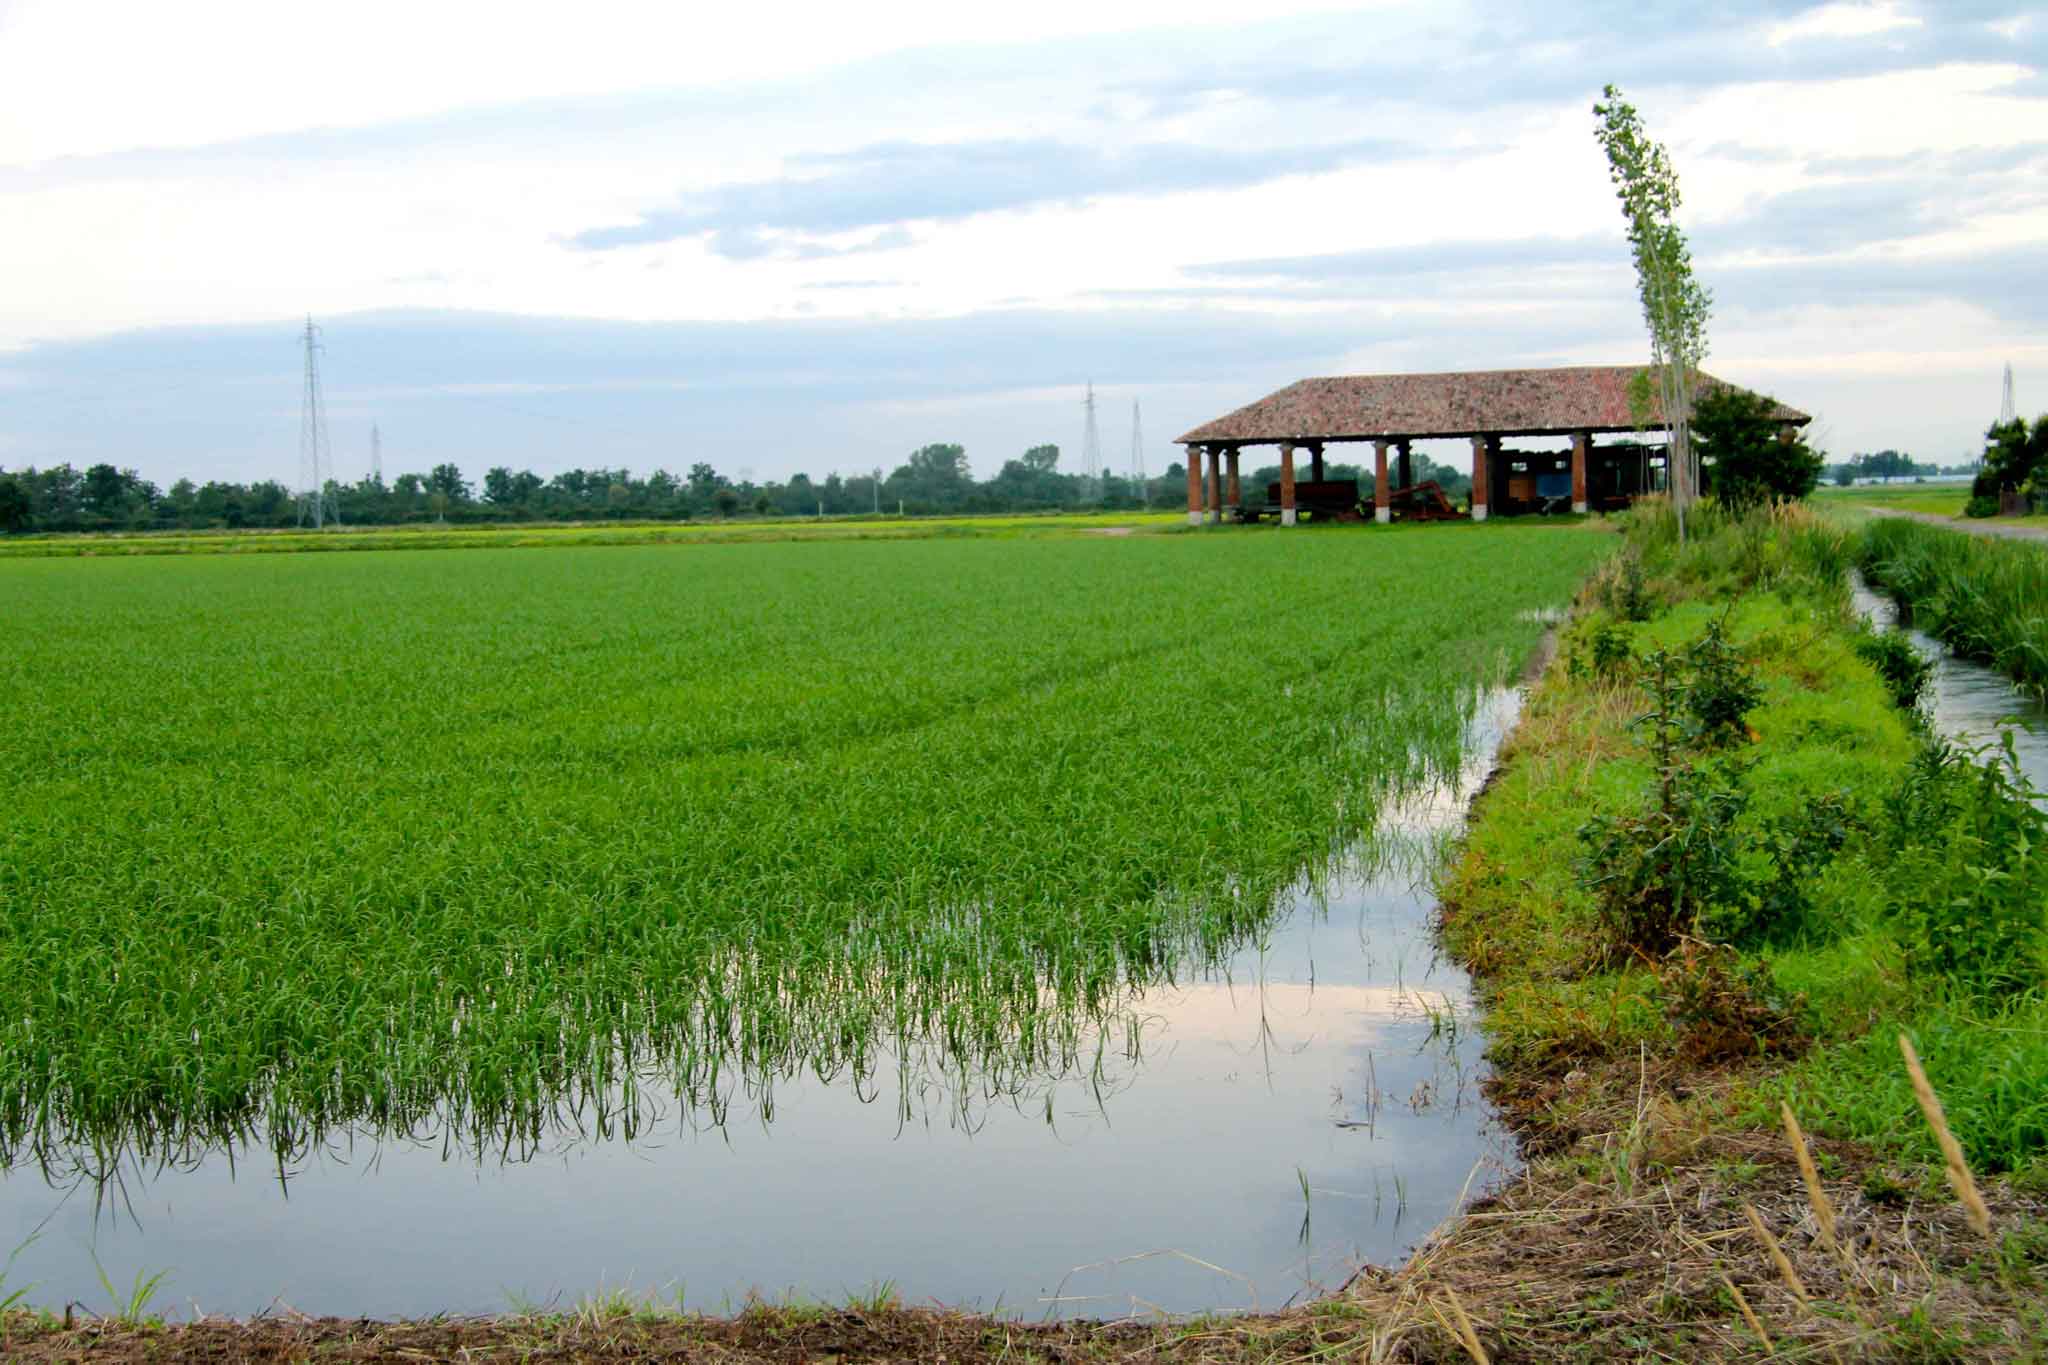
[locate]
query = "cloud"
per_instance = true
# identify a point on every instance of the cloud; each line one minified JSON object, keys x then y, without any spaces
{"x":2009,"y":282}
{"x":892,"y":183}
{"x":1426,"y":259}
{"x":1498,"y":55}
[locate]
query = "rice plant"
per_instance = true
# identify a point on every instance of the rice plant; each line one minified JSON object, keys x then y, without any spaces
{"x":489,"y":842}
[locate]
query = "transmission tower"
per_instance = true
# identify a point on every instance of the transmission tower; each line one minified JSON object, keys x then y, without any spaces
{"x":1138,"y":456}
{"x":316,"y":500}
{"x":2006,"y":411}
{"x":376,"y":456}
{"x":1091,"y":448}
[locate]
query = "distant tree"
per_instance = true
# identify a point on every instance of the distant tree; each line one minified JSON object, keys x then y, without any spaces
{"x":105,"y":490}
{"x":1739,"y":432}
{"x":704,"y":482}
{"x":1042,"y":459}
{"x":726,"y":500}
{"x":2015,"y":458}
{"x":14,"y":504}
{"x":1844,"y":474}
{"x":498,"y":486}
{"x":763,"y":504}
{"x":447,"y":480}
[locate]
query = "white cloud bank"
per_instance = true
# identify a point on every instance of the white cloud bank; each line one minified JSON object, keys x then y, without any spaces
{"x":1315,"y":189}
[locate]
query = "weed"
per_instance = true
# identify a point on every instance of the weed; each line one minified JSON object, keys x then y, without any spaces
{"x":1721,"y":1006}
{"x":1902,"y":667}
{"x":1970,"y":884}
{"x":129,"y":1307}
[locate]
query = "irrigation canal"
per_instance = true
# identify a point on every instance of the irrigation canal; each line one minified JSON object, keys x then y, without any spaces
{"x":1966,"y":701}
{"x":1339,"y":1054}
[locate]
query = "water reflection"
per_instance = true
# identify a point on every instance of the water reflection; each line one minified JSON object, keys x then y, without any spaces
{"x":1237,"y":1130}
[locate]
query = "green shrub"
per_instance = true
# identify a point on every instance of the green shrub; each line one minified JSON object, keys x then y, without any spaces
{"x":1654,"y":871}
{"x":1738,"y":434}
{"x":1720,"y":689}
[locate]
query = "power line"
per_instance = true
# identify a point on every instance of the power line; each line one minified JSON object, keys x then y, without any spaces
{"x":1138,"y":456}
{"x":1091,"y":448}
{"x":317,"y":503}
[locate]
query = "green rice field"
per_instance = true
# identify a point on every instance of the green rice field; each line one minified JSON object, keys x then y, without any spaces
{"x":1936,"y":499}
{"x":290,"y":842}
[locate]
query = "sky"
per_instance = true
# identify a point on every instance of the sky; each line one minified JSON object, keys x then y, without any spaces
{"x":789,"y":237}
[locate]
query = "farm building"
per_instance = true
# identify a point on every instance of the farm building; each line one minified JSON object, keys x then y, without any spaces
{"x":1488,"y":407}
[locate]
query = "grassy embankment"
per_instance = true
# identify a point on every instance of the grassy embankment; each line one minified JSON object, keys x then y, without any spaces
{"x":1849,"y":880}
{"x":1985,"y":599}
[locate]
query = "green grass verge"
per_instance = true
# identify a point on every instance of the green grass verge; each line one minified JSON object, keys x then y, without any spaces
{"x":1854,"y":954}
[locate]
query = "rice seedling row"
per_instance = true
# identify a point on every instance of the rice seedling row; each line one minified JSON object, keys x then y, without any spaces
{"x":291,"y":842}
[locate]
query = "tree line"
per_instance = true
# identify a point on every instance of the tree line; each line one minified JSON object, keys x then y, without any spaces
{"x":1893,"y":464}
{"x":934,"y":479}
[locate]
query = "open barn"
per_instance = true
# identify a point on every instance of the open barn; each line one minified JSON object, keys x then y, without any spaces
{"x":1487,"y":407}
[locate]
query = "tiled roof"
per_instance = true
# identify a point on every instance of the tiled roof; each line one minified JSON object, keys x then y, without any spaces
{"x":1480,"y":402}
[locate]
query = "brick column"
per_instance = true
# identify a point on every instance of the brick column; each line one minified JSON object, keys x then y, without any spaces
{"x":1215,"y":494}
{"x":1582,"y":452}
{"x":1315,"y":461}
{"x":1234,"y":495}
{"x":1194,"y":485}
{"x":1382,"y":505}
{"x":1482,"y":475}
{"x":1407,"y":469}
{"x":1287,"y":483}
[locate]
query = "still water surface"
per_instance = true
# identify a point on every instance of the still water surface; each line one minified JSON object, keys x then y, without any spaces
{"x":1338,"y":1053}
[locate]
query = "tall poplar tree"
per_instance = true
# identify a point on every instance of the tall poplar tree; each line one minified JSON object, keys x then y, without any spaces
{"x":1675,"y":305}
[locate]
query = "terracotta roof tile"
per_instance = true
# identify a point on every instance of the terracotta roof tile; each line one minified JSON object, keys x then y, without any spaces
{"x":1552,"y":402}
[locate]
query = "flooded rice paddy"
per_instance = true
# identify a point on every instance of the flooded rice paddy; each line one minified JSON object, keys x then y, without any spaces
{"x":1236,"y":1139}
{"x":411,"y":932}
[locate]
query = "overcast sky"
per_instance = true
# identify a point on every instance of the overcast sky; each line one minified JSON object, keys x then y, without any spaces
{"x":782,"y":237}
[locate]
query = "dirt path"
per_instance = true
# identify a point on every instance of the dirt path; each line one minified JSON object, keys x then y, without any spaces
{"x":1976,"y":526}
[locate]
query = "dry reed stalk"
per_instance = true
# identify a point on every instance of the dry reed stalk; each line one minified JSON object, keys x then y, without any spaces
{"x":1778,"y":1258}
{"x":1959,"y":1175}
{"x":1823,"y":1211}
{"x":1460,"y":1331}
{"x":1749,"y":1315}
